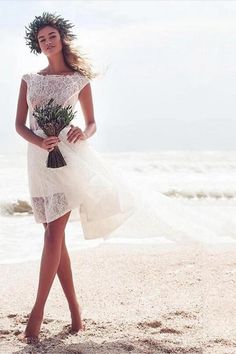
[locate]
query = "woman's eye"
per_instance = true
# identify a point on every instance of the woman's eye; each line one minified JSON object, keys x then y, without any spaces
{"x":50,"y":38}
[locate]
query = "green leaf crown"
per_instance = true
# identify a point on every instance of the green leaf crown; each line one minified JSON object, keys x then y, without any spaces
{"x":47,"y":19}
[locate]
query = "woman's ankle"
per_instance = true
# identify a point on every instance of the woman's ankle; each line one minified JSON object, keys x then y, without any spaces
{"x":34,"y":324}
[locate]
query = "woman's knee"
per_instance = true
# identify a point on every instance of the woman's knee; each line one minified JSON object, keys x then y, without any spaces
{"x":51,"y":242}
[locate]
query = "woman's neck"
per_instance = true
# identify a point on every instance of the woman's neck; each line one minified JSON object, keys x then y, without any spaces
{"x":56,"y":65}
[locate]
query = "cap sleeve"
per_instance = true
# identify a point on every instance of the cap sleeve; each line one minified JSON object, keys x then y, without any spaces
{"x":82,"y":81}
{"x":26,"y":78}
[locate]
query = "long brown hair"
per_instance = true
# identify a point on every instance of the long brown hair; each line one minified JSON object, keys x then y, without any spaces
{"x":73,"y":56}
{"x":76,"y":60}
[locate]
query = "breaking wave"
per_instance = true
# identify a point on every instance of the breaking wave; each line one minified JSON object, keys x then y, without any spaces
{"x":24,"y":207}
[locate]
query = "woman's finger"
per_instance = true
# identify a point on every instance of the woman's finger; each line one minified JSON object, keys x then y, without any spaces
{"x":76,"y":139}
{"x":72,"y":130}
{"x":50,"y":143}
{"x":82,"y":136}
{"x":73,"y":133}
{"x":52,"y":139}
{"x":74,"y":136}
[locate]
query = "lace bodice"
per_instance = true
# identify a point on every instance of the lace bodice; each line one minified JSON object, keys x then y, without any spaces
{"x":63,"y":88}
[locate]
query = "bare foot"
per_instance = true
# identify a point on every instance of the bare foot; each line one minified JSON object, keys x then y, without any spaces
{"x":33,"y":326}
{"x":77,"y":324}
{"x":29,"y":340}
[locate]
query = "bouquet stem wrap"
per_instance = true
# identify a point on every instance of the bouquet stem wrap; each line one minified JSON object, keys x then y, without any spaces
{"x":52,"y":119}
{"x":55,"y":158}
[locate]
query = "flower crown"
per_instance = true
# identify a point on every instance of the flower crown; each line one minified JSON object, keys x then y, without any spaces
{"x":47,"y":19}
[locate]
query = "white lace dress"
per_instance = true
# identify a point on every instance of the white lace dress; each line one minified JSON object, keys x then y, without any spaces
{"x":85,"y":183}
{"x":107,"y":204}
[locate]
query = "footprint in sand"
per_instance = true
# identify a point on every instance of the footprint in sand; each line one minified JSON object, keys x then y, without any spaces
{"x":171,"y":315}
{"x":127,"y":347}
{"x":158,"y":324}
{"x":170,"y":330}
{"x":223,"y":341}
{"x":181,"y":313}
{"x":6,"y":332}
{"x":47,"y":320}
{"x":12,"y":315}
{"x":23,"y":319}
{"x":18,"y":318}
{"x":152,"y":324}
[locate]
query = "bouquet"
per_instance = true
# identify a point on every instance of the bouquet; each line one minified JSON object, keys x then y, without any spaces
{"x":52,"y":118}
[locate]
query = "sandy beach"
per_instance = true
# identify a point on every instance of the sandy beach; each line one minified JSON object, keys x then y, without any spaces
{"x":135,"y":299}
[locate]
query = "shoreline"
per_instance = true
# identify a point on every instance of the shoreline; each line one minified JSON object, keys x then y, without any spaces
{"x":141,"y":299}
{"x":86,"y":244}
{"x":220,"y":246}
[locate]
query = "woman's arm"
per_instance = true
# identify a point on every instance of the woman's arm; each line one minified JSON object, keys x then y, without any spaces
{"x":21,"y":115}
{"x":22,"y":109}
{"x":86,"y":103}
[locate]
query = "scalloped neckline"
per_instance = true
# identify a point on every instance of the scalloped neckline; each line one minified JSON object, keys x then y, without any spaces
{"x":76,"y":72}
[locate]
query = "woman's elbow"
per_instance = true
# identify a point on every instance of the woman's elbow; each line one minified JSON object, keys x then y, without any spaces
{"x":19,"y":127}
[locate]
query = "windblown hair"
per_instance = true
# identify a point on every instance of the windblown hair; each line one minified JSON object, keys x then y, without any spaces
{"x":77,"y":61}
{"x":73,"y":56}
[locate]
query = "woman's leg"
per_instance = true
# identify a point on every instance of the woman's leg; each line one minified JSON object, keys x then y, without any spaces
{"x":64,"y":274}
{"x":53,"y":239}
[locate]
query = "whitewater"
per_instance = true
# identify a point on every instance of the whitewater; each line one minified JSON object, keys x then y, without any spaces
{"x":202,"y":180}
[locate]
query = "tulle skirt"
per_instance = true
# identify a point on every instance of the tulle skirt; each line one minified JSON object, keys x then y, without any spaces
{"x":110,"y":204}
{"x":85,"y":183}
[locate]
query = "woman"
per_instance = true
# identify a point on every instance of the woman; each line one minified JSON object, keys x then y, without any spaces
{"x":84,"y":182}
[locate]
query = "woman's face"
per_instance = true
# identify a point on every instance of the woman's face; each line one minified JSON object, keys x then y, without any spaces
{"x":49,"y":40}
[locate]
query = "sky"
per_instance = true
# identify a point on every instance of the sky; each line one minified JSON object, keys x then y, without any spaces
{"x":168,"y":71}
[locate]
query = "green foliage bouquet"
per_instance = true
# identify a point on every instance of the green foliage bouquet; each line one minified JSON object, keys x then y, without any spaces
{"x":52,"y":118}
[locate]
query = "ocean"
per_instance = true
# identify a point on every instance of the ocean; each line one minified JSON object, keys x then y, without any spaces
{"x":203,"y":180}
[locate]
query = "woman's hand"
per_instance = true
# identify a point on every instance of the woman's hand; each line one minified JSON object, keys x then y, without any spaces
{"x":75,"y":133}
{"x":49,"y":143}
